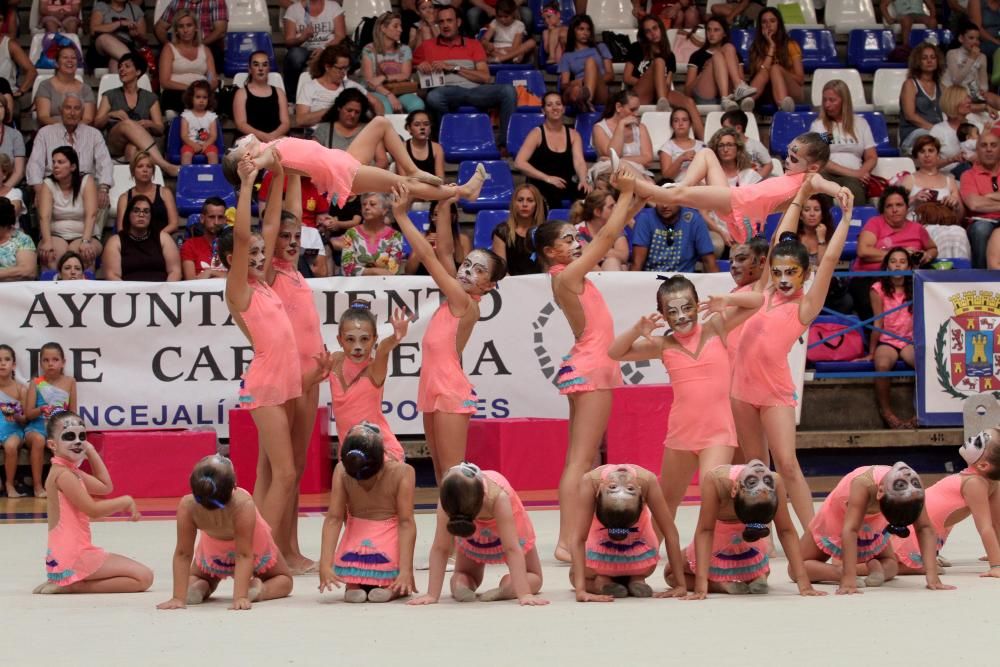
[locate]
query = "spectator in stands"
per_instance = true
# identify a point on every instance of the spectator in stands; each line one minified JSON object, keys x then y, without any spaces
{"x":443,"y":214}
{"x":677,"y":152}
{"x":649,"y":71}
{"x":681,"y":14}
{"x":14,"y":194}
{"x":132,"y":116}
{"x":776,"y":62}
{"x":920,"y":98}
{"x":200,"y":254}
{"x":759,"y":155}
{"x":51,"y":92}
{"x":117,"y":28}
{"x":882,"y":232}
{"x":329,"y":80}
{"x":728,"y":146}
{"x":212,"y":17}
{"x":620,"y":129}
{"x":554,"y":34}
{"x":513,"y":238}
{"x":315,"y":205}
{"x":11,"y":145}
{"x":139,"y":252}
{"x":670,"y":238}
{"x":344,"y":121}
{"x":426,"y":154}
{"x":551,"y":157}
{"x":934,"y":195}
{"x":18,"y":259}
{"x":8,"y":18}
{"x":906,"y":13}
{"x":14,"y":60}
{"x":956,"y":105}
{"x":585,"y":69}
{"x":87,"y":142}
{"x":59,"y":16}
{"x":309,"y":26}
{"x":480,"y":12}
{"x":200,"y":128}
{"x":183,"y":61}
{"x":425,"y":26}
{"x":67,"y":212}
{"x":589,"y":216}
{"x":734,"y":11}
{"x":982,"y":200}
{"x":466,"y":75}
{"x":966,"y":66}
{"x":507,"y":39}
{"x":815,"y":227}
{"x":715,"y":74}
{"x":164,"y":208}
{"x":852,"y":146}
{"x":259,"y":108}
{"x":985,"y":14}
{"x":70,"y":267}
{"x":373,"y":248}
{"x":387,"y":67}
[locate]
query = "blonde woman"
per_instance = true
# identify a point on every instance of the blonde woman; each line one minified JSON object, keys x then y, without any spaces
{"x":852,"y":146}
{"x":512,"y":239}
{"x":729,"y":147}
{"x":164,"y":209}
{"x":387,"y":65}
{"x":184,"y":61}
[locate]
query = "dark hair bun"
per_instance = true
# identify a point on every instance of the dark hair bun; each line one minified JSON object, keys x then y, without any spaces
{"x":360,"y":304}
{"x":618,"y":534}
{"x":788,"y":236}
{"x":755,"y":531}
{"x":898,"y":531}
{"x":461,"y":526}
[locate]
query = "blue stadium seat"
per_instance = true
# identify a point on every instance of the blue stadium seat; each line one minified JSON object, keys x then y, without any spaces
{"x":422,"y":221}
{"x":880,"y":132}
{"x":198,"y":182}
{"x":786,"y":126}
{"x":239,"y":46}
{"x":498,"y":189}
{"x":174,"y":143}
{"x":854,"y":366}
{"x":818,"y":48}
{"x":585,"y":126}
{"x":558,"y":214}
{"x":533,"y":80}
{"x":568,"y":12}
{"x":868,"y":49}
{"x":940,"y":36}
{"x":486,"y":222}
{"x":52,"y":274}
{"x":861,"y":215}
{"x":468,"y":137}
{"x":549,"y":68}
{"x":519,"y":127}
{"x":957,"y":262}
{"x":742,"y":39}
{"x":193,"y":226}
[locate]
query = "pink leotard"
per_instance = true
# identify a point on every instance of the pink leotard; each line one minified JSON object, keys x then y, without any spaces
{"x":293,"y":290}
{"x":941,"y":500}
{"x":484,"y":546}
{"x":899,"y":322}
{"x":443,"y":386}
{"x":274,"y":375}
{"x":356,"y":399}
{"x":588,"y":367}
{"x":762,"y":376}
{"x":71,"y":555}
{"x":700,"y":415}
{"x":736,"y":334}
{"x":752,"y":204}
{"x":332,"y":170}
{"x":217,"y":558}
{"x":636,"y":555}
{"x":828,"y":524}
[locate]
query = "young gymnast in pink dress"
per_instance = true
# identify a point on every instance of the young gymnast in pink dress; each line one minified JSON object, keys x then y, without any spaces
{"x":855,"y":521}
{"x":357,"y":380}
{"x":971,"y":492}
{"x":747,"y":262}
{"x":481,"y":515}
{"x":615,"y":547}
{"x":744,"y":210}
{"x":372,"y":500}
{"x":729,"y":553}
{"x":445,"y":396}
{"x":701,"y":434}
{"x":587,"y":373}
{"x":763,"y":392}
{"x":343,"y":173}
{"x":233,"y":540}
{"x":72,"y":563}
{"x":274,"y":378}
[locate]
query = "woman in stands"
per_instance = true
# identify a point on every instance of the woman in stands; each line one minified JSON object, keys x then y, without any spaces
{"x":852,"y":146}
{"x":715,"y":75}
{"x":920,"y":98}
{"x":50,"y":94}
{"x":67,"y":212}
{"x":585,"y":68}
{"x":164,"y":216}
{"x":184,"y":61}
{"x":259,"y":108}
{"x":138,"y":251}
{"x":776,"y":62}
{"x":551,"y":156}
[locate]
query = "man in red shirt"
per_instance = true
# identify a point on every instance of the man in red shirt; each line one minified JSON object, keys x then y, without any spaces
{"x":980,"y":190}
{"x":314,"y":204}
{"x":466,"y":75}
{"x":199,"y":258}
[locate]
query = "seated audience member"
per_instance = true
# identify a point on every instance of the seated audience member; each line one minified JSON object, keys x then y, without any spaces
{"x":329,"y":80}
{"x":373,"y":248}
{"x":211,"y":23}
{"x":387,"y":67}
{"x":852,"y":146}
{"x":585,"y":70}
{"x":669,"y":238}
{"x":117,"y":29}
{"x":551,"y":157}
{"x":309,"y":27}
{"x":982,"y":202}
{"x":733,"y":157}
{"x":620,"y":129}
{"x":200,"y":254}
{"x":138,"y":252}
{"x":512,"y":239}
{"x":51,"y":92}
{"x":14,"y":62}
{"x":67,"y":212}
{"x":775,"y":66}
{"x":760,"y":157}
{"x":506,"y":39}
{"x":183,"y":61}
{"x":14,"y":194}
{"x":164,"y":217}
{"x":935,"y":200}
{"x":259,"y":108}
{"x":11,"y":145}
{"x":589,"y":215}
{"x":18,"y":258}
{"x":70,"y":267}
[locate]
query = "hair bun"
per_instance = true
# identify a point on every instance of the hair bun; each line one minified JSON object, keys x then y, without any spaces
{"x":788,"y":236}
{"x":618,"y":534}
{"x":898,"y":531}
{"x":360,"y":304}
{"x":461,"y":526}
{"x":755,"y":531}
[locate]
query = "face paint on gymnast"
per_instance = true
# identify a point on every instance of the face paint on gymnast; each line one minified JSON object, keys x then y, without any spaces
{"x":474,"y":273}
{"x":902,"y":481}
{"x":70,"y":441}
{"x":796,"y":162}
{"x":680,"y":312}
{"x":787,"y":275}
{"x":756,"y":478}
{"x":257,"y":257}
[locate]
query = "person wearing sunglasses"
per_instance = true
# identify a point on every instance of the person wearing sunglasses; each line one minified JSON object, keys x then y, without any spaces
{"x":72,"y":563}
{"x":980,"y":190}
{"x":671,"y":239}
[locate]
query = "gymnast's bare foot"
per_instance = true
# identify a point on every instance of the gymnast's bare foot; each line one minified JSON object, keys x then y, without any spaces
{"x":562,"y":554}
{"x":425,"y":177}
{"x":301,"y":565}
{"x":471,"y":188}
{"x":12,"y":492}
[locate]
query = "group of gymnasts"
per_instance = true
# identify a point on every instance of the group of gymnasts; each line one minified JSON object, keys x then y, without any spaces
{"x":727,"y":360}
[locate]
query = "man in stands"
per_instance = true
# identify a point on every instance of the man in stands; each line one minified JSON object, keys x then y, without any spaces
{"x":466,"y":75}
{"x":981,"y":194}
{"x":669,"y":238}
{"x":199,"y":254}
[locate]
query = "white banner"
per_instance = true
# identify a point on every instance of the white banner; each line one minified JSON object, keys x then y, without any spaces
{"x":168,"y":355}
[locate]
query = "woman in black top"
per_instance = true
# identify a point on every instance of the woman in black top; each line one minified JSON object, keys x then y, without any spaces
{"x":259,"y":108}
{"x":649,"y":72}
{"x":513,"y":239}
{"x":715,"y":73}
{"x":139,"y":253}
{"x":552,"y":157}
{"x":426,"y":154}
